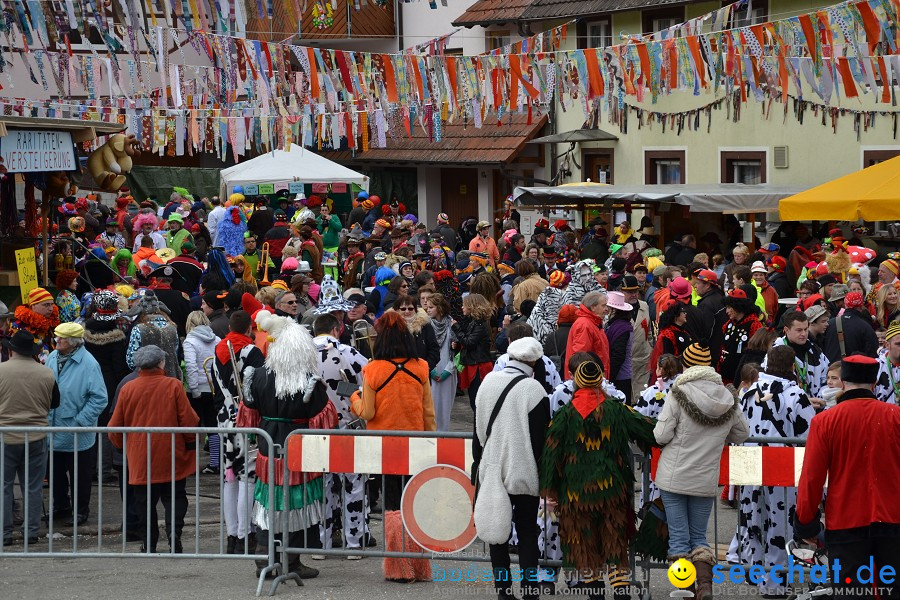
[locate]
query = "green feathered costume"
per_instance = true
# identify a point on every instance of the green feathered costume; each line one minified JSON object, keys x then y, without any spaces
{"x":586,"y":467}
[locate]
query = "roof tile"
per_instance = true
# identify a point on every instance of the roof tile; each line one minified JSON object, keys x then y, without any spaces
{"x":460,"y":145}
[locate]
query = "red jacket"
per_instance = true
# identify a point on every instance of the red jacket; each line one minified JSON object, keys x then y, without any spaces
{"x":854,"y":445}
{"x":587,"y":335}
{"x":770,"y":296}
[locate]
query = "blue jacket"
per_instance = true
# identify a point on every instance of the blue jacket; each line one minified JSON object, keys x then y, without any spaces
{"x":82,"y":397}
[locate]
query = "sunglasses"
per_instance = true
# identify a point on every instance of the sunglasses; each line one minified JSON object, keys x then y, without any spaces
{"x":407,"y":309}
{"x":289,"y":302}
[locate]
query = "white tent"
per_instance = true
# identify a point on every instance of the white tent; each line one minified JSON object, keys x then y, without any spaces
{"x":286,"y":167}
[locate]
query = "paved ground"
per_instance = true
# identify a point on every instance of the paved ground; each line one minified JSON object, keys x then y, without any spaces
{"x":133,"y":576}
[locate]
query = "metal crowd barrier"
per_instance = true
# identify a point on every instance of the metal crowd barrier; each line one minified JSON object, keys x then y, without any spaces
{"x":368,"y":452}
{"x":760,"y":461}
{"x":57,"y":544}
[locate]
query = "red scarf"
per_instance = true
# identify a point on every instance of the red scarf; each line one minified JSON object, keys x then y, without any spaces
{"x":586,"y":400}
{"x":238,"y":341}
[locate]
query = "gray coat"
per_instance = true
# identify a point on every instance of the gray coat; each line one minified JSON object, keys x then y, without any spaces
{"x":699,"y":417}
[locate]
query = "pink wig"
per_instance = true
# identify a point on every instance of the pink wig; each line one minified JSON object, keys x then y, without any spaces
{"x":142,"y":218}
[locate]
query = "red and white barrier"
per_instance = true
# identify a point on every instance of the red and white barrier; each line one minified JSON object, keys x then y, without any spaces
{"x":755,"y":465}
{"x":386,"y":455}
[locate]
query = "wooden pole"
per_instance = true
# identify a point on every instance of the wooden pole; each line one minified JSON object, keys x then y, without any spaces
{"x":45,"y":238}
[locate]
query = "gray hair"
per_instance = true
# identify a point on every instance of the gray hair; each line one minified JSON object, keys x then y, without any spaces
{"x":75,"y":343}
{"x":592,"y":299}
{"x":149,"y":357}
{"x":281,"y":296}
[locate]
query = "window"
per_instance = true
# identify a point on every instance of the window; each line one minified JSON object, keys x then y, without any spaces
{"x":599,"y":34}
{"x":659,"y":20}
{"x":664,"y":166}
{"x":873,"y":157}
{"x":497,"y":39}
{"x":758,"y":13}
{"x":743,"y":167}
{"x":598,"y":165}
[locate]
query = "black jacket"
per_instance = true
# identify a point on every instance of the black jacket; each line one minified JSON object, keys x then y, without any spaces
{"x":555,"y":344}
{"x":474,"y":339}
{"x":218,"y":322}
{"x":107,"y":344}
{"x":426,"y":343}
{"x":179,"y":307}
{"x":713,"y":318}
{"x":678,"y":255}
{"x":779,"y":281}
{"x":859,"y":336}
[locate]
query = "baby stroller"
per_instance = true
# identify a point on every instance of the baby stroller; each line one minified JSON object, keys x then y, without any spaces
{"x":810,"y":556}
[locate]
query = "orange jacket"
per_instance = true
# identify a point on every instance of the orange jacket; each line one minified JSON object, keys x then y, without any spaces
{"x":155,"y":400}
{"x":404,"y":404}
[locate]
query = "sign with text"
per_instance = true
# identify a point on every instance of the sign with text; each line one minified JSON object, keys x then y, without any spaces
{"x":296,"y":187}
{"x":27,"y":268}
{"x":320,"y":188}
{"x":251,"y":190}
{"x":32,"y":150}
{"x":267,"y":188}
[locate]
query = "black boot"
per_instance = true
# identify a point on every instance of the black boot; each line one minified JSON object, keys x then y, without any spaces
{"x":251,"y":543}
{"x":232,"y":544}
{"x":295,"y":566}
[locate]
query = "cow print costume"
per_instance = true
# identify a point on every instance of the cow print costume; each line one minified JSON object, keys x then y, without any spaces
{"x":887,"y":386}
{"x":774,"y":407}
{"x":544,"y":372}
{"x":346,"y":491}
{"x":236,"y":491}
{"x":650,"y":404}
{"x":811,"y":361}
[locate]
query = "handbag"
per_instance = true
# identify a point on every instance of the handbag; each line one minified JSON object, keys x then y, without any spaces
{"x":556,"y":358}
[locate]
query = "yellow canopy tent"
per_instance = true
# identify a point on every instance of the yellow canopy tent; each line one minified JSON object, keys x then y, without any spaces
{"x":872,"y":194}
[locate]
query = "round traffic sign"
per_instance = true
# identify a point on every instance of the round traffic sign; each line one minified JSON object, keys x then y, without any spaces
{"x":436,"y":509}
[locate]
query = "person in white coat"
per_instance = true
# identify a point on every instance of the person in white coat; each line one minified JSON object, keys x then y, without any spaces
{"x":506,"y":451}
{"x":699,"y":416}
{"x":213,"y":219}
{"x":199,"y":346}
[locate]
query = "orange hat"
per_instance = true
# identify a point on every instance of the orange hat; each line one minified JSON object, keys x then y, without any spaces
{"x":38,"y":295}
{"x":557,"y":278}
{"x":383,"y":223}
{"x":367,"y":204}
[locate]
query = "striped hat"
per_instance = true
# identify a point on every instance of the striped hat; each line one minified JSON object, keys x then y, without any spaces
{"x":588,"y":375}
{"x":892,"y":265}
{"x":383,"y":223}
{"x":557,"y":279}
{"x":892,"y":330}
{"x":443,"y":217}
{"x":38,"y":295}
{"x":697,"y":355}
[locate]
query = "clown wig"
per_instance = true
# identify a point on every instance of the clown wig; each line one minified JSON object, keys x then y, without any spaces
{"x":142,"y":218}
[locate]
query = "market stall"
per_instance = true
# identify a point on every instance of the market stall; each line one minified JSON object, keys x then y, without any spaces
{"x":40,"y":162}
{"x":289,"y":170}
{"x":871,"y":194}
{"x":680,"y":202}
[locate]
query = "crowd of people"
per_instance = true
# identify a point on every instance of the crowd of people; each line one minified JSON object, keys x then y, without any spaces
{"x":570,"y":345}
